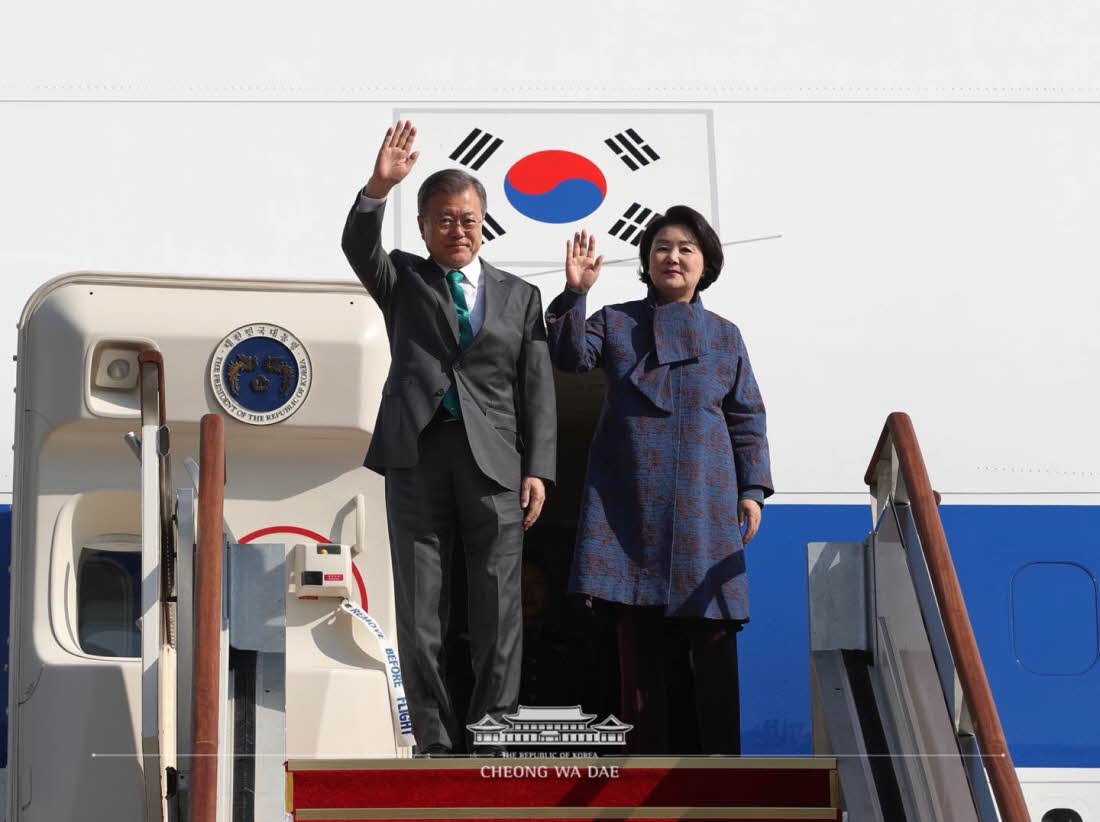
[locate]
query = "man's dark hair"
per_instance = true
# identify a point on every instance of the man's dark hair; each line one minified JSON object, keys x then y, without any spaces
{"x":448,"y":181}
{"x":696,"y":223}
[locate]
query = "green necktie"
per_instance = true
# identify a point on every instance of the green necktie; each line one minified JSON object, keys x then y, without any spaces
{"x":465,"y":337}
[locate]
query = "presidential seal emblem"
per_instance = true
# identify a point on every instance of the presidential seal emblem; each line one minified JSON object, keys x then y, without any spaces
{"x":260,"y":373}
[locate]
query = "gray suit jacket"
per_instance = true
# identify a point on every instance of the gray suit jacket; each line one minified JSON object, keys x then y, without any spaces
{"x":504,"y":378}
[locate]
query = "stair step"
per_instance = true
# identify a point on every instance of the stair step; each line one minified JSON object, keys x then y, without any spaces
{"x":548,"y":789}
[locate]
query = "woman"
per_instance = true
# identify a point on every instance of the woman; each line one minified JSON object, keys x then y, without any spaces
{"x":678,"y":465}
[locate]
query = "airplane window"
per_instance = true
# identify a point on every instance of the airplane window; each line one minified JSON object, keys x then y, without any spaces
{"x":1061,"y":815}
{"x":108,"y":595}
{"x":1054,"y":618}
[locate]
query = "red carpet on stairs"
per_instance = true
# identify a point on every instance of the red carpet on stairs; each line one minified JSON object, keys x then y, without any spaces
{"x":548,"y":789}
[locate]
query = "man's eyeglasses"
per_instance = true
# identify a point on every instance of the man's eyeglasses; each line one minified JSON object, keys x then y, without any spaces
{"x":467,"y":222}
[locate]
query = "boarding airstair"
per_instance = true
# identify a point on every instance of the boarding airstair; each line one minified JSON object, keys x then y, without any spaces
{"x":237,"y":662}
{"x":903,"y":732}
{"x":213,"y":687}
{"x":901,"y":695}
{"x":223,"y":774}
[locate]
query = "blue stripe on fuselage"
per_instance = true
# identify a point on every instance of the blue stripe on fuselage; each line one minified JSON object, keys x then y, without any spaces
{"x":1051,"y":719}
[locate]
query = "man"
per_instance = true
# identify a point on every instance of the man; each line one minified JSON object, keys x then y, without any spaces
{"x":466,"y":433}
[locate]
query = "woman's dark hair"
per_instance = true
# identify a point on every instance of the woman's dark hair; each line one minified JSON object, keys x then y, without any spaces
{"x":696,"y":223}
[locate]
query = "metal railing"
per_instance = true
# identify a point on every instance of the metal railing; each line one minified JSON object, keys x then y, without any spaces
{"x":897,"y":471}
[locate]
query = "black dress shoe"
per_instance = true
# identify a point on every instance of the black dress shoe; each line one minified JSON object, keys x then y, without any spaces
{"x":436,"y":749}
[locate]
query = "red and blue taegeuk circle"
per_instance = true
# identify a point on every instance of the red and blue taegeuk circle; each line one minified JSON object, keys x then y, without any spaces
{"x":555,"y":186}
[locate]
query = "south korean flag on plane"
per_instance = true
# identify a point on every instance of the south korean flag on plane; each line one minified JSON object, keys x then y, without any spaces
{"x":549,"y":173}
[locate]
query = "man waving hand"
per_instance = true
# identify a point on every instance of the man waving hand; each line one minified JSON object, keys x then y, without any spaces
{"x":466,"y":433}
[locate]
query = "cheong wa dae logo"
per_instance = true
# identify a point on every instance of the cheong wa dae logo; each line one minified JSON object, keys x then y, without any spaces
{"x":553,"y":726}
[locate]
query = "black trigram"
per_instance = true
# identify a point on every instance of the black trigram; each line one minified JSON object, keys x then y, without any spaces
{"x":490,"y":228}
{"x":632,"y":149}
{"x":631,"y":225}
{"x":478,"y":147}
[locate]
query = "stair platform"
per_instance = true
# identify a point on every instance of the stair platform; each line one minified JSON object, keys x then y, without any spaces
{"x":553,"y":789}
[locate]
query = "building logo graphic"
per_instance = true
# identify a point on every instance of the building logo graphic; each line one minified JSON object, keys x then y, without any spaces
{"x":555,"y":186}
{"x":260,"y":373}
{"x":557,"y":726}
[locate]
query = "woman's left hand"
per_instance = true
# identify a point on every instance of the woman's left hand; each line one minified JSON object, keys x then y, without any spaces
{"x":748,"y":511}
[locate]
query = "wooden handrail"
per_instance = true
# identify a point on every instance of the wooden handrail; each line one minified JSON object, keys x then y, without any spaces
{"x":899,"y":433}
{"x":208,"y":622}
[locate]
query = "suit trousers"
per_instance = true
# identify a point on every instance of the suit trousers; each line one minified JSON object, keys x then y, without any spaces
{"x":654,"y":650}
{"x":444,"y":499}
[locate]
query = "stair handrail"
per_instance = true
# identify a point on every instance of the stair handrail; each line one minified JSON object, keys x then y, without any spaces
{"x":897,"y":453}
{"x":157,"y":634}
{"x":155,"y":360}
{"x":208,"y":621}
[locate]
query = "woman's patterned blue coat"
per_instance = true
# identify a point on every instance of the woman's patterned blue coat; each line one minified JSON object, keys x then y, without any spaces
{"x":681,"y":430}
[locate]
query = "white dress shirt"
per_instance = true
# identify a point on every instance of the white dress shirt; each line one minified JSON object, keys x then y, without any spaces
{"x":472,"y":273}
